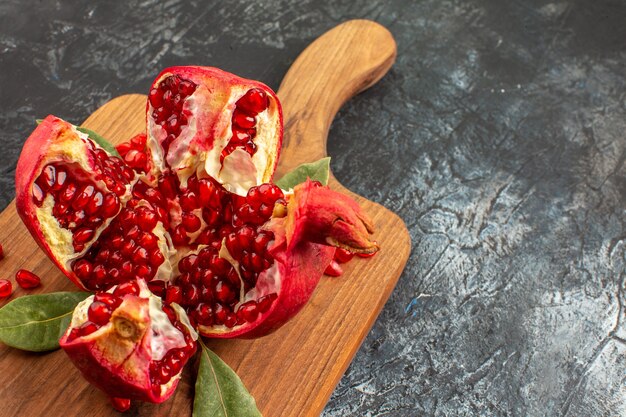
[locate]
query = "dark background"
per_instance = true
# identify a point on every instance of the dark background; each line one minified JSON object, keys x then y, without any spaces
{"x":498,"y":136}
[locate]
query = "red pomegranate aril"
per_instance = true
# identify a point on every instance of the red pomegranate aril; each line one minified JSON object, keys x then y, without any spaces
{"x":264,"y":303}
{"x":128,"y":248}
{"x":243,"y":120}
{"x":61,"y":178}
{"x":128,"y":269}
{"x":120,"y":404}
{"x":168,"y":185}
{"x":95,"y":203}
{"x":191,"y":222}
{"x":191,"y":295}
{"x":126,"y":288}
{"x":140,"y":255}
{"x":248,"y":311}
{"x":145,"y":271}
{"x":157,"y":287}
{"x":99,"y":272}
{"x":333,"y":269}
{"x":47,"y":179}
{"x":87,"y":328}
{"x":223,"y":292}
{"x":1,"y":252}
{"x":342,"y":256}
{"x":109,"y":299}
{"x":83,"y":268}
{"x":163,"y":374}
{"x":27,"y":279}
{"x":83,"y":235}
{"x":99,"y":313}
{"x":189,"y":201}
{"x":253,"y":102}
{"x":38,"y":194}
{"x":69,"y":192}
{"x":111,"y":205}
{"x":148,"y":240}
{"x":83,"y":197}
{"x":6,"y":288}
{"x":173,"y":294}
{"x":187,"y":263}
{"x":179,"y":237}
{"x":156,"y":258}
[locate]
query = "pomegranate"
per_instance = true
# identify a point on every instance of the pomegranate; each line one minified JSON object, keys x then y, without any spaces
{"x":129,"y":344}
{"x":188,"y":207}
{"x":26,"y":279}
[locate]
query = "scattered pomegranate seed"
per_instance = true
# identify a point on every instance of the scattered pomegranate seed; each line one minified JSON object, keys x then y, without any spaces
{"x":333,"y":269}
{"x":6,"y":288}
{"x":120,"y":404}
{"x":1,"y":252}
{"x":27,"y":279}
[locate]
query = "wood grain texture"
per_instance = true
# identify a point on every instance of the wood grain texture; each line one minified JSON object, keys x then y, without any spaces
{"x":293,"y":371}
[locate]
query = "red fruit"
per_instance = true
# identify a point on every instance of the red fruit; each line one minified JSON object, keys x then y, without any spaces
{"x":27,"y":279}
{"x":6,"y":288}
{"x":203,"y":126}
{"x":126,"y":350}
{"x":1,"y":253}
{"x":333,"y":269}
{"x":212,"y":143}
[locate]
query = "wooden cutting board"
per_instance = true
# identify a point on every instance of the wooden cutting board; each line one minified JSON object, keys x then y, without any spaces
{"x":293,"y":371}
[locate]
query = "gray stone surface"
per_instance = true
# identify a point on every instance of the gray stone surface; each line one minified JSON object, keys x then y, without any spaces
{"x":498,"y":136}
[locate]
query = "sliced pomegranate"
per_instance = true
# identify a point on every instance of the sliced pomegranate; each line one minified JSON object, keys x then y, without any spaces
{"x":208,"y":122}
{"x":68,"y":190}
{"x":130,"y":345}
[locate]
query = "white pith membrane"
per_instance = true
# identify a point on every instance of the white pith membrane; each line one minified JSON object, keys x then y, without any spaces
{"x":71,"y":151}
{"x":197,"y":149}
{"x":164,"y":336}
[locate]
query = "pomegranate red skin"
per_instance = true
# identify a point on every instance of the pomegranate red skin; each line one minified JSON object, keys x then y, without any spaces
{"x":219,"y":82}
{"x":29,"y":166}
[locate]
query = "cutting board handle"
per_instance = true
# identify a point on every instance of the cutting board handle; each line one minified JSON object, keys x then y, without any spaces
{"x":338,"y":65}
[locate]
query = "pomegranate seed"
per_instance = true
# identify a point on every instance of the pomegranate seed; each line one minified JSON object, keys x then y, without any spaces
{"x":171,"y":314}
{"x":155,"y":97}
{"x":144,"y":271}
{"x":168,"y":185}
{"x":83,"y":235}
{"x":342,"y":255}
{"x":83,"y":268}
{"x":175,"y":360}
{"x":1,"y":253}
{"x":127,"y":269}
{"x":139,"y":141}
{"x":242,"y":120}
{"x":83,"y":197}
{"x":60,"y":180}
{"x":163,"y":374}
{"x":333,"y":269}
{"x":157,"y":287}
{"x":253,"y":102}
{"x":223,"y":292}
{"x":148,"y":241}
{"x":188,"y":201}
{"x":191,"y":295}
{"x":109,"y":299}
{"x":128,"y":248}
{"x":179,"y":237}
{"x":140,"y":255}
{"x":27,"y":279}
{"x":38,"y":195}
{"x":248,"y":311}
{"x":173,"y":294}
{"x":68,"y":193}
{"x":87,"y":328}
{"x":126,"y":288}
{"x":190,"y":222}
{"x":111,"y":205}
{"x":99,"y":272}
{"x":187,"y":263}
{"x":156,"y":258}
{"x":204,"y":314}
{"x":6,"y":288}
{"x":95,"y":203}
{"x":47,"y":179}
{"x":120,"y":404}
{"x":265,"y":302}
{"x":99,"y":313}
{"x":186,"y":87}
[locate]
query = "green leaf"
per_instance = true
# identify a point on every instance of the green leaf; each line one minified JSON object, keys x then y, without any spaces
{"x":317,"y":171}
{"x":104,"y":144}
{"x":219,"y":391}
{"x":37,"y":322}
